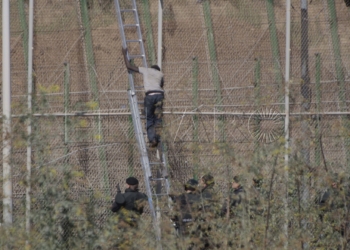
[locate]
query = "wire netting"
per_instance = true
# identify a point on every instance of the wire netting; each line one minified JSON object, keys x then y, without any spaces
{"x":224,"y":66}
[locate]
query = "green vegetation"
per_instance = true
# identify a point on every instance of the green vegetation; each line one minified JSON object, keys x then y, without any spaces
{"x":75,"y":168}
{"x":65,"y":215}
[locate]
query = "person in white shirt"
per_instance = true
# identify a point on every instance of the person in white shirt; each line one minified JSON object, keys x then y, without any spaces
{"x":153,"y":81}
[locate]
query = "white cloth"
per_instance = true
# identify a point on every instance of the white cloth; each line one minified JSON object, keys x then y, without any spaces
{"x":151,"y":79}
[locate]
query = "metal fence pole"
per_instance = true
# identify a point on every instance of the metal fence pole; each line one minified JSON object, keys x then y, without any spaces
{"x":6,"y":114}
{"x":30,"y":111}
{"x":274,"y":45}
{"x":214,"y":66}
{"x":195,"y":117}
{"x":286,"y":126}
{"x":306,"y":95}
{"x":318,"y":108}
{"x":24,"y":26}
{"x":160,"y":32}
{"x":257,"y":81}
{"x":94,"y":88}
{"x":148,"y":30}
{"x":66,"y":102}
{"x":340,"y":75}
{"x":131,"y":147}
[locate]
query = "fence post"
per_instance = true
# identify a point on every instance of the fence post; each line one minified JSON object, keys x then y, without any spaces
{"x":90,"y":60}
{"x":148,"y":31}
{"x":340,"y":75}
{"x":131,"y":147}
{"x":24,"y":26}
{"x":275,"y":45}
{"x":214,"y":66}
{"x":305,"y":107}
{"x":318,"y":109}
{"x":195,"y":117}
{"x":6,"y":116}
{"x":286,"y":126}
{"x":257,"y":81}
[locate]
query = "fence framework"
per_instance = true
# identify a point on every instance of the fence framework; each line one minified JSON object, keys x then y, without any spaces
{"x":224,"y":82}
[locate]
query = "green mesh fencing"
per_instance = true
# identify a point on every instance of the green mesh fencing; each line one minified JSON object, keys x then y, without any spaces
{"x":224,"y":67}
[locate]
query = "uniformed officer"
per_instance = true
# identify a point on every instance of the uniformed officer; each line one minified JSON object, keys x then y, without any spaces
{"x":130,"y":204}
{"x":188,"y":203}
{"x":186,"y":206}
{"x":333,"y":209}
{"x":207,"y":192}
{"x":237,"y":197}
{"x":208,"y":213}
{"x":235,"y":208}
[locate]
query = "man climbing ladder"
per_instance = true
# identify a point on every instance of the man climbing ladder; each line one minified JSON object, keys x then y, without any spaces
{"x":153,"y":80}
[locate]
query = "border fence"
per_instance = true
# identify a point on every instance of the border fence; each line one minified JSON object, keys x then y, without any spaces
{"x":224,"y":113}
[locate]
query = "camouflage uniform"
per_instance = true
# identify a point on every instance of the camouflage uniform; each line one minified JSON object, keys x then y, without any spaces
{"x":129,"y":205}
{"x":235,"y":207}
{"x":186,"y":207}
{"x":333,"y":206}
{"x":209,"y":212}
{"x":235,"y":203}
{"x":186,"y":212}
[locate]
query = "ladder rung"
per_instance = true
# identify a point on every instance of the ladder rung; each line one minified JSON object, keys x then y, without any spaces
{"x":138,"y":87}
{"x":142,"y":117}
{"x":128,"y":10}
{"x":135,"y":56}
{"x":141,"y":103}
{"x":159,"y":179}
{"x":130,"y":25}
{"x":133,"y":41}
{"x":155,"y":163}
{"x":160,"y":194}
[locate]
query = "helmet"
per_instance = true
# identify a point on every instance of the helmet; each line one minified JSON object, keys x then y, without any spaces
{"x":208,"y":179}
{"x":132,"y":181}
{"x":191,"y":184}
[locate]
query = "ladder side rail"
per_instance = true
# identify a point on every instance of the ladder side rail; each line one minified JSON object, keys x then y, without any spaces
{"x":120,"y":22}
{"x":139,"y":133}
{"x":124,"y":45}
{"x":167,"y":181}
{"x":136,"y":114}
{"x":139,"y":34}
{"x":166,"y":172}
{"x":142,"y":147}
{"x":132,"y":96}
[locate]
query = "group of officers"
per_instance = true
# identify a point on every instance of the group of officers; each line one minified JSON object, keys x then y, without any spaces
{"x":198,"y":204}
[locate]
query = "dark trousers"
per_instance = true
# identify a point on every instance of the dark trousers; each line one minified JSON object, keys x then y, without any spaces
{"x":154,"y":112}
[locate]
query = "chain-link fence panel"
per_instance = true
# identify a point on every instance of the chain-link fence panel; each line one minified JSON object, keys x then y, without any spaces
{"x":224,"y":65}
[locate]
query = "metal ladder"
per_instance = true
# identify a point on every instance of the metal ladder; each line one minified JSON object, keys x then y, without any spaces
{"x":128,"y":19}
